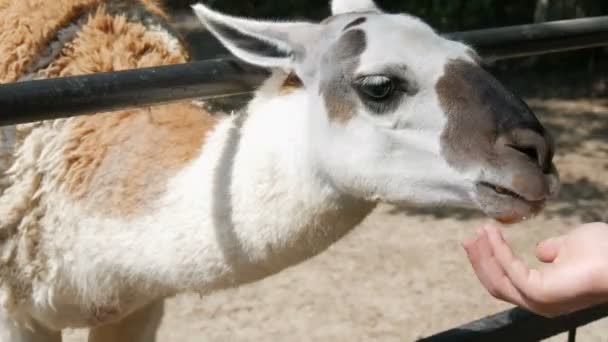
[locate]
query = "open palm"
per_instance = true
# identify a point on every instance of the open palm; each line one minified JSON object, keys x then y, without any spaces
{"x":575,"y":275}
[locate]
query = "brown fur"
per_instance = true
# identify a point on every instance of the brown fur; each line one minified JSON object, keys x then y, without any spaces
{"x":131,"y":152}
{"x":340,"y":100}
{"x":117,"y":162}
{"x":479,"y":111}
{"x":120,"y":162}
{"x":291,"y":83}
{"x":4,"y":4}
{"x":110,"y":43}
{"x":26,"y":28}
{"x":155,"y":7}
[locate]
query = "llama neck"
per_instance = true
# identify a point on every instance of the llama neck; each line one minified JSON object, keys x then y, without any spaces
{"x":249,"y":206}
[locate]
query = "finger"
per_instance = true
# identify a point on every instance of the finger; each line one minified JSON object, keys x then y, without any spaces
{"x":478,"y":259}
{"x":528,"y":282}
{"x":547,"y":251}
{"x":490,"y":273}
{"x":468,"y":242}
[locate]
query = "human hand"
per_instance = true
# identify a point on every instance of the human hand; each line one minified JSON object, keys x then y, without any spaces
{"x":575,"y":277}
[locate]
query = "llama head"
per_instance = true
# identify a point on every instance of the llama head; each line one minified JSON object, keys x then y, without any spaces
{"x":400,"y":114}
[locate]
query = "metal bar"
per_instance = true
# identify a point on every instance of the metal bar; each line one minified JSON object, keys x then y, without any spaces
{"x":63,"y":97}
{"x":493,"y":44}
{"x":572,"y":335}
{"x":518,"y":325}
{"x":535,"y":39}
{"x":69,"y":96}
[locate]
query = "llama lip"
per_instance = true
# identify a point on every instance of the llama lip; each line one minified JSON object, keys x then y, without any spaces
{"x":502,"y":191}
{"x":506,"y":205}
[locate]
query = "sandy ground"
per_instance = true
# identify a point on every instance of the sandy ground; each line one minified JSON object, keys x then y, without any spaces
{"x":402,"y":274}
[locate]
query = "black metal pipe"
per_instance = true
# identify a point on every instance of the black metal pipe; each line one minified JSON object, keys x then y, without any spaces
{"x":572,"y":335}
{"x":63,"y":97}
{"x":54,"y":98}
{"x":518,"y":325}
{"x":535,"y":39}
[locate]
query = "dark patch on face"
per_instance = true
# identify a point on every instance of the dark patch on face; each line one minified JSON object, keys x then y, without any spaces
{"x":479,"y":111}
{"x":290,"y":83}
{"x":249,"y":43}
{"x":337,"y":68}
{"x":354,"y":23}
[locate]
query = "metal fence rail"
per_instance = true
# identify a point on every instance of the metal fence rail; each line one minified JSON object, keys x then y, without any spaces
{"x":517,"y":325}
{"x":106,"y":91}
{"x":63,"y":97}
{"x":535,"y":39}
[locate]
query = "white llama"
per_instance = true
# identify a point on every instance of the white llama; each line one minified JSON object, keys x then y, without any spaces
{"x":104,"y":216}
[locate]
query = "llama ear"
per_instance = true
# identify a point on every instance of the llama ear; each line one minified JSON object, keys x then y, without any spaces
{"x":263,"y":43}
{"x":348,"y":6}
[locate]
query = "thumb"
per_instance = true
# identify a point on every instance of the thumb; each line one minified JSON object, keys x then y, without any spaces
{"x":548,"y":250}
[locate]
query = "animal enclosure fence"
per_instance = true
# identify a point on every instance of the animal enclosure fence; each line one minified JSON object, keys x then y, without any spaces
{"x":37,"y":100}
{"x":62,"y":97}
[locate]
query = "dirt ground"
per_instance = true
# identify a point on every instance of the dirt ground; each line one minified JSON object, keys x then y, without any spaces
{"x":402,"y":274}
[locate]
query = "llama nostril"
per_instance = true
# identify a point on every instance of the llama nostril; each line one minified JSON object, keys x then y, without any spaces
{"x":536,"y":146}
{"x":530,"y":151}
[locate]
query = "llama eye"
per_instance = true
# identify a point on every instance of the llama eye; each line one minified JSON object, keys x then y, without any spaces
{"x":377,"y":88}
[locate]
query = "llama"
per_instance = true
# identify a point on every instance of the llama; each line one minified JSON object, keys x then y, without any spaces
{"x":104,"y":216}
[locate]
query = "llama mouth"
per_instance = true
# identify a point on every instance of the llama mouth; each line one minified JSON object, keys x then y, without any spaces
{"x":506,"y":205}
{"x":502,"y":191}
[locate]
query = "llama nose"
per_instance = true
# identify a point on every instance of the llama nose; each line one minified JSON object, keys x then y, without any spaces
{"x":538,"y":146}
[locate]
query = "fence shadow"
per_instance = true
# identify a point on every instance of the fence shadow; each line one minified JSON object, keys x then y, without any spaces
{"x":582,"y":198}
